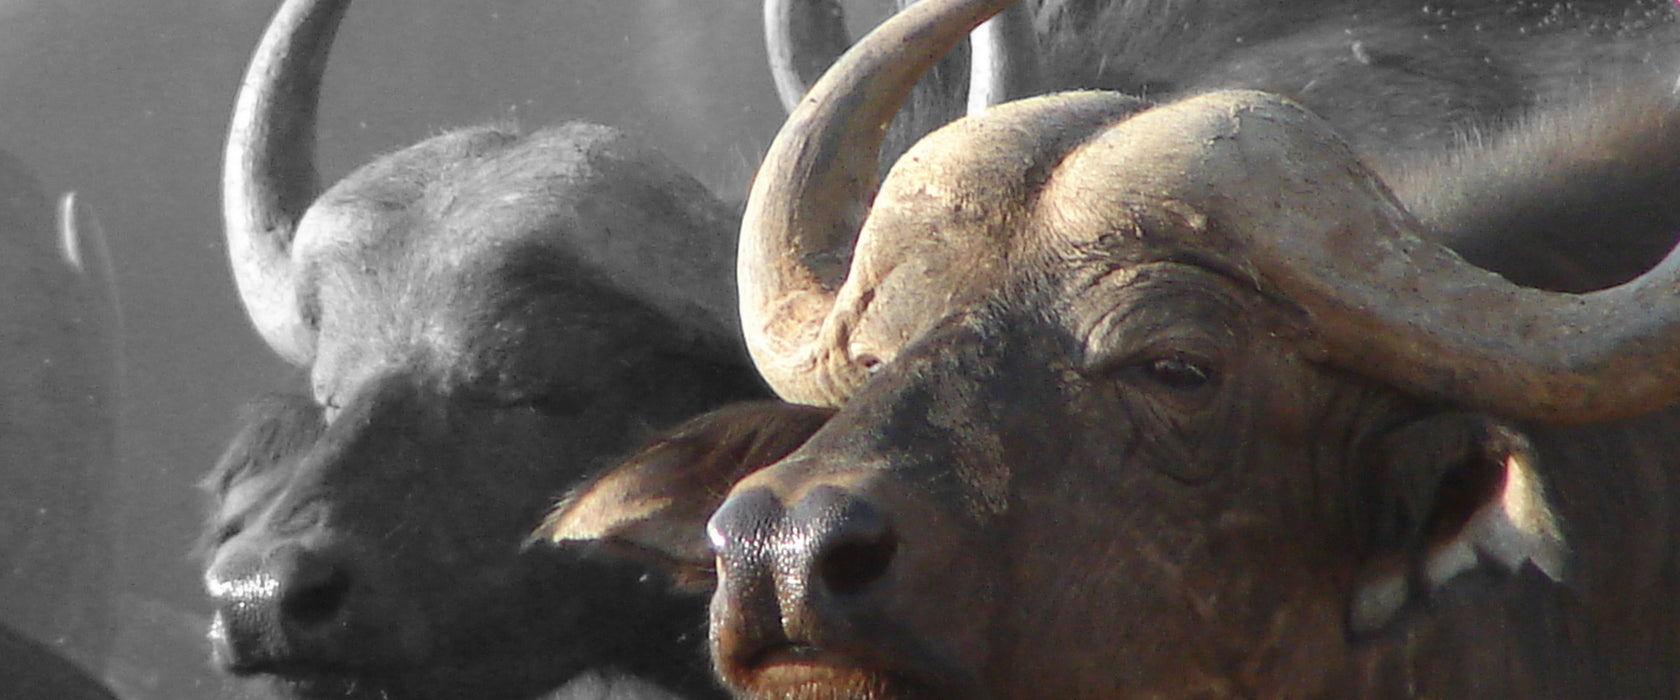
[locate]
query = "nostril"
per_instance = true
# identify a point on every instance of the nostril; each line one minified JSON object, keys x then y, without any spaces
{"x":848,"y":568}
{"x":854,"y":541}
{"x":317,"y":602}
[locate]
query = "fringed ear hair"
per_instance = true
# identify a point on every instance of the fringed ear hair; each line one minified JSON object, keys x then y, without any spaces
{"x":653,"y":505}
{"x":1464,"y":494}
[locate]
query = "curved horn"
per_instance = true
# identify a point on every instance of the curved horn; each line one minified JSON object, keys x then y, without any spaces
{"x":1003,"y":59}
{"x":268,"y":169}
{"x":804,"y":38}
{"x":1417,"y":315}
{"x":1449,"y":329}
{"x":814,"y":189}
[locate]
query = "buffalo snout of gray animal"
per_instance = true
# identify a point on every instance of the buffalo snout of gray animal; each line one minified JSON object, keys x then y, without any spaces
{"x":292,"y":605}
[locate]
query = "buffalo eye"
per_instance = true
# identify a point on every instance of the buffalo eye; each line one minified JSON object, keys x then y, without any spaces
{"x":1180,"y":373}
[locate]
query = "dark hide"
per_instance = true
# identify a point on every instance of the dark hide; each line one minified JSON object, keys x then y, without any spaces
{"x":484,"y":345}
{"x":394,"y":536}
{"x":1109,"y":470}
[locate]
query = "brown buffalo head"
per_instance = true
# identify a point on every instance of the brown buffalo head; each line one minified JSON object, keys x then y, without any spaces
{"x":485,"y":317}
{"x":1135,"y":401}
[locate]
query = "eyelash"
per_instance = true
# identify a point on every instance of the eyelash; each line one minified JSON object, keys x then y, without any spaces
{"x":1180,"y":373}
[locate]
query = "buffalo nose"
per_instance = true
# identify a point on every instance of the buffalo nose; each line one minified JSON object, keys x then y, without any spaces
{"x":830,"y":546}
{"x":291,"y":605}
{"x":742,"y":529}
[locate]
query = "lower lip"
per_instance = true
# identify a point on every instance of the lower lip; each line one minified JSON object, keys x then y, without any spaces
{"x":812,"y":673}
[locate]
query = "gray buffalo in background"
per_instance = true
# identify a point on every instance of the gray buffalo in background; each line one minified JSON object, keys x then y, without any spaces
{"x":59,"y":355}
{"x":485,"y":318}
{"x":128,"y":103}
{"x":1395,"y":78}
{"x":1185,"y":400}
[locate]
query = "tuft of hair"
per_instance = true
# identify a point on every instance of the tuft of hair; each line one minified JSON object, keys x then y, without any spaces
{"x":273,"y":429}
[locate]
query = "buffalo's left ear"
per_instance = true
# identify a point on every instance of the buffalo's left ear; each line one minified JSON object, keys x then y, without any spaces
{"x":1463,"y":493}
{"x":653,"y":505}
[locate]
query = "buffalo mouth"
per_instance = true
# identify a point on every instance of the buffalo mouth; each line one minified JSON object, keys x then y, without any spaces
{"x":797,"y":670}
{"x":800,"y":672}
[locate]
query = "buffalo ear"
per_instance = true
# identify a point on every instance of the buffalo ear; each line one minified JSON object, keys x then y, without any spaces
{"x":274,"y":430}
{"x":1464,"y":494}
{"x":653,"y":505}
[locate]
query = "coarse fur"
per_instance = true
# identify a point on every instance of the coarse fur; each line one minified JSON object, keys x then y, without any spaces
{"x":1529,"y":201}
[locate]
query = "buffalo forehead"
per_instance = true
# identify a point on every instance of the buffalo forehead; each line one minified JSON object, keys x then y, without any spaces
{"x":967,"y":191}
{"x":526,"y":322}
{"x":953,"y":219}
{"x":445,"y":266}
{"x":459,"y":208}
{"x":1067,"y":170}
{"x":1202,"y":175}
{"x":1064,"y":185}
{"x":455,"y":197}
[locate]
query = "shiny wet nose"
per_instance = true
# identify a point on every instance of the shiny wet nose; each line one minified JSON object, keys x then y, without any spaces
{"x":830,"y":545}
{"x":292,"y":604}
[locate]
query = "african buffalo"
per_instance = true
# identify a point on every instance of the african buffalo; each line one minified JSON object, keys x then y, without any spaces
{"x":484,"y":318}
{"x":1182,"y":400}
{"x":59,"y":347}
